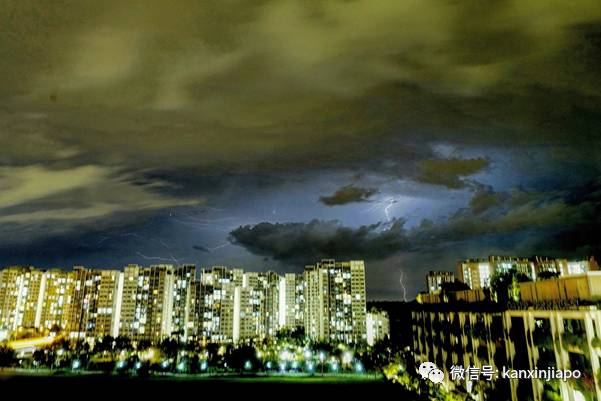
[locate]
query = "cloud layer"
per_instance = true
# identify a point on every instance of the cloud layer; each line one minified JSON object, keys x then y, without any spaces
{"x":500,"y":216}
{"x":348,"y":194}
{"x":467,"y":126}
{"x":306,"y":242}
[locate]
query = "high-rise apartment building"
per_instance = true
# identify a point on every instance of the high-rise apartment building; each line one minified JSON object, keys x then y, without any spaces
{"x":161,"y":301}
{"x":147,"y":301}
{"x":249,"y":302}
{"x":57,"y":310}
{"x":477,"y":273}
{"x":435,"y":280}
{"x":259,"y":306}
{"x":183,"y":278}
{"x":317,"y":305}
{"x":335,"y":301}
{"x":269,"y":286}
{"x":193,"y":327}
{"x":218,"y":286}
{"x":563,"y":267}
{"x":20,"y":289}
{"x":96,"y":306}
{"x":291,"y":302}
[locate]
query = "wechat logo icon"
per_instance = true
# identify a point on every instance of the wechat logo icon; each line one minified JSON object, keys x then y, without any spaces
{"x":430,"y":371}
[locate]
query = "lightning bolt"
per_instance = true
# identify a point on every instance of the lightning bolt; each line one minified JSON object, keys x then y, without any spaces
{"x":387,"y":208}
{"x":384,"y":205}
{"x":172,"y":259}
{"x":219,"y":247}
{"x":403,"y":287}
{"x":224,"y":224}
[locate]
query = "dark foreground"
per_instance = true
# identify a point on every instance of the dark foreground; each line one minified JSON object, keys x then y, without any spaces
{"x":92,"y":386}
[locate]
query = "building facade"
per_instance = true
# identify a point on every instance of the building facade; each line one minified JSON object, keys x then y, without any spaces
{"x":147,"y":301}
{"x":377,"y":326}
{"x":556,"y":325}
{"x":436,"y":279}
{"x":95,"y":310}
{"x":335,"y":305}
{"x":20,"y":296}
{"x":169,"y":301}
{"x":477,"y":273}
{"x":218,"y":286}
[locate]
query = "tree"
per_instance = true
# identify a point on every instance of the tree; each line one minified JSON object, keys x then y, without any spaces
{"x":213,"y":353}
{"x":123,"y":343}
{"x":143,"y":345}
{"x":238,"y":357}
{"x":7,"y":356}
{"x":545,"y":275}
{"x":106,"y":344}
{"x":169,"y":347}
{"x":454,"y":286}
{"x":505,"y":285}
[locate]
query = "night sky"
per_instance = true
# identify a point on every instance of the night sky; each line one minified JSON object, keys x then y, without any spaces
{"x":269,"y":134}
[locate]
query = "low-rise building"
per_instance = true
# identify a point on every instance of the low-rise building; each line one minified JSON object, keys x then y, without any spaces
{"x":555,"y":326}
{"x":583,"y":287}
{"x":377,"y":326}
{"x":436,"y":279}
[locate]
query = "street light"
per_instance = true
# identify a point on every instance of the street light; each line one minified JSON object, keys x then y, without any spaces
{"x":322,"y":358}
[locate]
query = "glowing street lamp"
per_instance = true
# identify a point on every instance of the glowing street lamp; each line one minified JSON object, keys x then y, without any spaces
{"x":347,"y":358}
{"x":322,"y":359}
{"x":285,"y":355}
{"x":358,"y":367}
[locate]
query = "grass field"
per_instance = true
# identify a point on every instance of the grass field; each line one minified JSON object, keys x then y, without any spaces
{"x":81,"y":386}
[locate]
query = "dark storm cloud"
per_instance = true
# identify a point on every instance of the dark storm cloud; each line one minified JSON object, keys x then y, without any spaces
{"x":507,"y":214}
{"x":449,"y":172}
{"x":348,"y":194}
{"x":307,"y":242}
{"x":66,"y":199}
{"x":111,"y":110}
{"x":483,"y":200}
{"x":263,"y":85}
{"x":548,"y":214}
